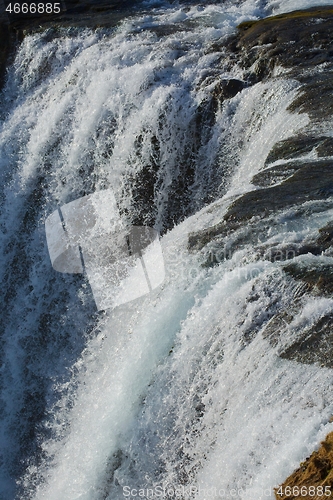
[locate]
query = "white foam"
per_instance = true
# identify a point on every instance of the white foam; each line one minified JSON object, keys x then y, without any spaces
{"x":278,"y":7}
{"x":91,"y":116}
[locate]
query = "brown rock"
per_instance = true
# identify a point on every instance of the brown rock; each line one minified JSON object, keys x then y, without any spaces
{"x":313,"y":480}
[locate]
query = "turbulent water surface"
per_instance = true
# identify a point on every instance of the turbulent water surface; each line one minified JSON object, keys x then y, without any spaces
{"x":178,"y":391}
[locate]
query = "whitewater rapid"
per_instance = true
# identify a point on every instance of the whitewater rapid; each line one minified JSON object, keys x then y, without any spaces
{"x":161,"y":393}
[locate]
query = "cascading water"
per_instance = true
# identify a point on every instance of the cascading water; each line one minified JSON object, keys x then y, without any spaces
{"x":178,"y":392}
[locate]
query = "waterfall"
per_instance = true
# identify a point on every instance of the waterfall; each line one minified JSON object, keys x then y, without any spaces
{"x":181,"y":392}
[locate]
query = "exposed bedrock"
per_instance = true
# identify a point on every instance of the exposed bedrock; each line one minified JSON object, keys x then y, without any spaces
{"x":296,"y":180}
{"x":300,"y":145}
{"x":295,"y":40}
{"x":282,"y":186}
{"x":297,"y":45}
{"x":289,"y":177}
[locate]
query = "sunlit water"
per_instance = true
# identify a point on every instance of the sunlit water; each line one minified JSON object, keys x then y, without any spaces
{"x":170,"y":392}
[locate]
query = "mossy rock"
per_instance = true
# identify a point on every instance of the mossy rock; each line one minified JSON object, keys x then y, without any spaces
{"x":288,"y":16}
{"x":300,"y":41}
{"x":292,"y":39}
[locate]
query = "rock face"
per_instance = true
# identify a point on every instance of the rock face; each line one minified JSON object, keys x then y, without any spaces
{"x":300,"y":43}
{"x":305,"y":181}
{"x":314,"y":478}
{"x":294,"y":40}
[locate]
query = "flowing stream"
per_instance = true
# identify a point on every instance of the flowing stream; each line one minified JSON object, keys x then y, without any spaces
{"x":178,"y":393}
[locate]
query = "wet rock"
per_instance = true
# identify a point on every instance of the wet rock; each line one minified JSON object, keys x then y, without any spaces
{"x":315,"y":96}
{"x":282,"y":253}
{"x":318,"y":278}
{"x":325,"y":240}
{"x":273,"y":329}
{"x":276,"y":175}
{"x":296,"y":39}
{"x":142,"y":187}
{"x":299,"y":41}
{"x":197,"y":240}
{"x":223,"y":248}
{"x":315,"y":472}
{"x":311,"y":181}
{"x":315,"y":345}
{"x":300,"y":145}
{"x":166,"y":30}
{"x":308,"y":181}
{"x":325,"y":148}
{"x":228,"y":88}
